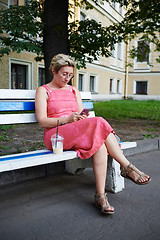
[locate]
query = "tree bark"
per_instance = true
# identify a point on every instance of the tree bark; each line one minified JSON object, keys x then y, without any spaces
{"x":55,"y":37}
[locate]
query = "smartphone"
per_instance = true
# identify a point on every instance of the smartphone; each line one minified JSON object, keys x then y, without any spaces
{"x":85,"y":111}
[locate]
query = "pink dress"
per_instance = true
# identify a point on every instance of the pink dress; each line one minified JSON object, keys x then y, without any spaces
{"x":84,"y":136}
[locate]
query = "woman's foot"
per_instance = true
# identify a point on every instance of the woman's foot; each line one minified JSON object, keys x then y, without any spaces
{"x":135,"y":175}
{"x":101,"y":202}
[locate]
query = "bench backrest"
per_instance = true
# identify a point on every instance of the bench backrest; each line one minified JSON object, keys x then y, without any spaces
{"x":18,"y":106}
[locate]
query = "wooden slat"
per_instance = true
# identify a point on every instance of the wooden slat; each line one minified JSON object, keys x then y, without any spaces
{"x":88,"y":105}
{"x":17,"y":94}
{"x":28,"y":160}
{"x":86,"y":95}
{"x":30,"y":94}
{"x":17,"y":118}
{"x":17,"y":106}
{"x":29,"y":106}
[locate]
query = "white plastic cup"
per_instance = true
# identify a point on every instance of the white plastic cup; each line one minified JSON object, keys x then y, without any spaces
{"x":57,"y":143}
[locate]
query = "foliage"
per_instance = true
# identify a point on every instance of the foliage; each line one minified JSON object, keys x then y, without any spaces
{"x":22,"y":29}
{"x":88,"y":40}
{"x":142,"y":19}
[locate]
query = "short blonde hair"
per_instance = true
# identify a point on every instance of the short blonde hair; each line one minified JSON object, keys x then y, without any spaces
{"x":59,"y":61}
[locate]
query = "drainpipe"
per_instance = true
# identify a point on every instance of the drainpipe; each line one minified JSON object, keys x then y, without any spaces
{"x":126,"y":73}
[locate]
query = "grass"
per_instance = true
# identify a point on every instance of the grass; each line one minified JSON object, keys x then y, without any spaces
{"x":128,"y":109}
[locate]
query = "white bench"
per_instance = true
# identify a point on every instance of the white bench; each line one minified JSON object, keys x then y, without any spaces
{"x":22,"y":101}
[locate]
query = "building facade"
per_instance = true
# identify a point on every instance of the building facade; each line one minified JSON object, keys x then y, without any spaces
{"x":110,"y":78}
{"x":20,"y":70}
{"x":107,"y":78}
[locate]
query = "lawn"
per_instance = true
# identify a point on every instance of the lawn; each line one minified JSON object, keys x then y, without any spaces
{"x":128,"y":109}
{"x":131,"y":120}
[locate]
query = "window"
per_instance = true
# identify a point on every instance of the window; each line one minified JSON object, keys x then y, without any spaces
{"x":41,"y":76}
{"x":141,"y":87}
{"x":112,"y":85}
{"x":19,"y":2}
{"x":14,"y":2}
{"x":120,"y":9}
{"x":18,"y":76}
{"x":119,"y":86}
{"x":81,"y":82}
{"x":119,"y":51}
{"x":92,"y":84}
{"x":82,"y":16}
{"x":26,"y":2}
{"x":143,"y":51}
{"x":113,"y":4}
{"x":113,"y":50}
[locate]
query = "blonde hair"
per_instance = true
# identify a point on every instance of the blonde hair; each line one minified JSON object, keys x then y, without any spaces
{"x":59,"y":61}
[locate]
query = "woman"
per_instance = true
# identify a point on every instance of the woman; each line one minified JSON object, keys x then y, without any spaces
{"x":87,"y":136}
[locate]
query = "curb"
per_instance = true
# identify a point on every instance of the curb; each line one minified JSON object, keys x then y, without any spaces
{"x":146,"y":145}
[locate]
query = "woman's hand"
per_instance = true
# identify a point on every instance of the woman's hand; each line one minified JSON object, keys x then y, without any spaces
{"x":83,"y":116}
{"x":75,"y":117}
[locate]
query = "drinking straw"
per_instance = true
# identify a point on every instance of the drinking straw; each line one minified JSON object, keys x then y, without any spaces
{"x":57,"y":133}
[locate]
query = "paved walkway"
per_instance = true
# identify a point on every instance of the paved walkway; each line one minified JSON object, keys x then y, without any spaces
{"x":62,"y":208}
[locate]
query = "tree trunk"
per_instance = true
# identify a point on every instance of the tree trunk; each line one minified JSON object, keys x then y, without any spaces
{"x":55,"y":37}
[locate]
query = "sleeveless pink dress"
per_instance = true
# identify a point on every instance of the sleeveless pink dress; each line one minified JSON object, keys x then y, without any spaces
{"x":84,"y":136}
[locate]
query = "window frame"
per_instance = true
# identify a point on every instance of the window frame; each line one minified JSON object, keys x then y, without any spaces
{"x":146,"y":59}
{"x":135,"y":87}
{"x":95,"y":90}
{"x":113,"y":90}
{"x":11,"y":4}
{"x":84,"y":83}
{"x":119,"y":89}
{"x":29,"y":72}
{"x":38,"y":82}
{"x":113,"y":51}
{"x":119,"y":51}
{"x":16,"y":79}
{"x":82,"y":16}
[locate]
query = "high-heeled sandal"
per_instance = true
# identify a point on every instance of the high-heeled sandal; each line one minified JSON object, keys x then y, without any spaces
{"x":103,"y":209}
{"x":126,"y":170}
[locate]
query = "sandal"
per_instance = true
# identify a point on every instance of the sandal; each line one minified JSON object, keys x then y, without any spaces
{"x":103,"y":209}
{"x":126,"y":170}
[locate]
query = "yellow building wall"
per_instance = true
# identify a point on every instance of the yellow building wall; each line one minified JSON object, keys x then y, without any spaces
{"x":21,"y":58}
{"x":105,"y":68}
{"x":142,"y":71}
{"x":153,"y":84}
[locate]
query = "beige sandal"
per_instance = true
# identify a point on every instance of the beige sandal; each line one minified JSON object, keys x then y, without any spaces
{"x":103,"y":209}
{"x":126,"y":170}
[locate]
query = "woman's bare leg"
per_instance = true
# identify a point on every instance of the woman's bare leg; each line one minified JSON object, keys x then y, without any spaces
{"x":100,"y":170}
{"x":115,"y":151}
